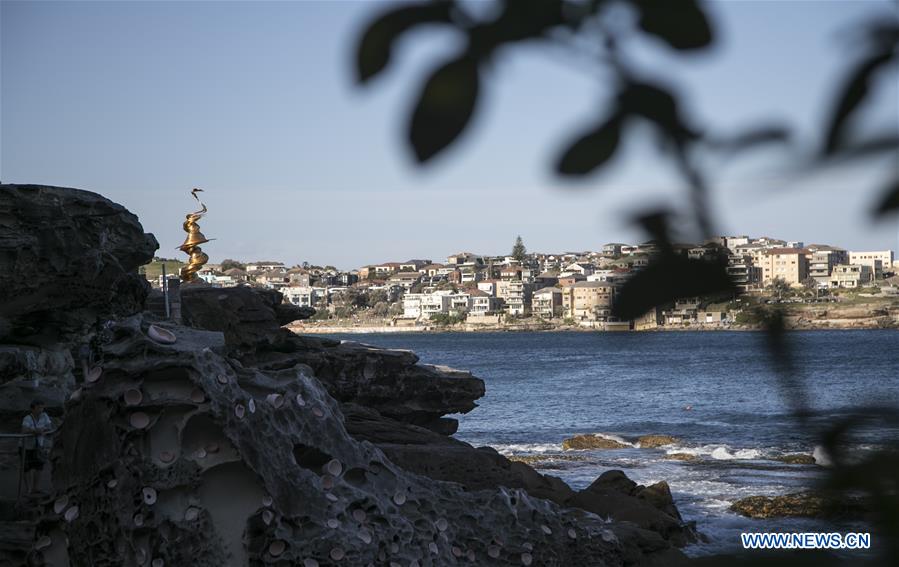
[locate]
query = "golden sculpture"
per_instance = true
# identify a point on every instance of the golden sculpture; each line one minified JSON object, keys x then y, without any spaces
{"x":196,"y":257}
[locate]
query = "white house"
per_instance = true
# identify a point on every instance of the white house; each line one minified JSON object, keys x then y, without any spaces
{"x":266,"y":267}
{"x":583,"y":269}
{"x":434,"y":303}
{"x":302,"y":296}
{"x":483,"y":303}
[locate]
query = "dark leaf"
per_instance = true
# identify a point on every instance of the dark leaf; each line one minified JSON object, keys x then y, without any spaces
{"x":656,"y":105}
{"x":752,"y":138}
{"x":871,"y":147}
{"x":376,"y":45}
{"x":657,"y":227}
{"x":853,"y":94}
{"x":667,"y":278}
{"x":524,"y":19}
{"x":592,"y":149}
{"x":883,"y":35}
{"x":444,"y":107}
{"x":889,"y":202}
{"x":680,"y":23}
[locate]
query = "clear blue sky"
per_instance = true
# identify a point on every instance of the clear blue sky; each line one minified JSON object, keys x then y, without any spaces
{"x":255,"y":103}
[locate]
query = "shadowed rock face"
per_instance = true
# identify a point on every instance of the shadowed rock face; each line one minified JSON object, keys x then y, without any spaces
{"x":67,"y":257}
{"x":243,"y":444}
{"x":250,"y":318}
{"x":389,"y":381}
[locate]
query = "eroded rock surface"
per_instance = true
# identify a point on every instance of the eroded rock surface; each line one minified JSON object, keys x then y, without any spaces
{"x":250,"y":318}
{"x":242,"y":443}
{"x":181,"y":455}
{"x":67,"y":257}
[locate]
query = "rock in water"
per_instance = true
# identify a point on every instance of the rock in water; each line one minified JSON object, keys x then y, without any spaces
{"x":652,"y":441}
{"x":808,"y":504}
{"x":67,"y":257}
{"x":650,"y":507}
{"x":592,"y":442}
{"x":796,"y":459}
{"x":682,"y":457}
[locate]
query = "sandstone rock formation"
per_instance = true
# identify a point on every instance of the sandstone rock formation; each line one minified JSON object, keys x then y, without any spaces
{"x":796,"y":459}
{"x":589,"y":441}
{"x":809,"y":504}
{"x":241,"y":443}
{"x":652,"y":441}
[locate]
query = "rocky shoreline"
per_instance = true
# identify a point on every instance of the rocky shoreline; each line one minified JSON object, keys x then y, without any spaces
{"x":793,"y":324}
{"x":229,"y":440}
{"x":811,"y":503}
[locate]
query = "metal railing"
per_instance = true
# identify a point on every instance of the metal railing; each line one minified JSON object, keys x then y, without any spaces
{"x":20,"y":451}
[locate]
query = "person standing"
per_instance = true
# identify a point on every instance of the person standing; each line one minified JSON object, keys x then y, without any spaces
{"x":37,"y":423}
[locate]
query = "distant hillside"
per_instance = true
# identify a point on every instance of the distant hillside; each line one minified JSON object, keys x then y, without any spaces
{"x":154,"y":269}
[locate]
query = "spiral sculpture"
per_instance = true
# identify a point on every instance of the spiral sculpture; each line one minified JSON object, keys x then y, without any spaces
{"x":191,"y":246}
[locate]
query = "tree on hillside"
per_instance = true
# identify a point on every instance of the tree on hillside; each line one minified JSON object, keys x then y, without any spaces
{"x":812,"y":285}
{"x":228,"y":263}
{"x":518,"y":250}
{"x":780,"y":287}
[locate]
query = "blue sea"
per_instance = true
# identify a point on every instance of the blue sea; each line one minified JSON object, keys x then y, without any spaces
{"x":717,"y":392}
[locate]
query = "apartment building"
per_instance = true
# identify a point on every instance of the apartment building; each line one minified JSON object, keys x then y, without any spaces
{"x":460,"y":302}
{"x":434,"y":303}
{"x":266,"y":267}
{"x":547,"y":302}
{"x":404,"y":280}
{"x":613,"y":248}
{"x":851,"y":275}
{"x":754,"y":250}
{"x":742,"y":272}
{"x":821,"y":261}
{"x":731,"y":242}
{"x":879,"y":261}
{"x":614,"y":277}
{"x":588,"y":301}
{"x":517,"y":297}
{"x":483,"y":303}
{"x":464,"y":258}
{"x":787,"y":264}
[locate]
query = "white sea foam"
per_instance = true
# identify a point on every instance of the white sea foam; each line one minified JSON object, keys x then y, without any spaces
{"x":616,"y":438}
{"x":718,"y":452}
{"x":527,"y":448}
{"x":821,"y":456}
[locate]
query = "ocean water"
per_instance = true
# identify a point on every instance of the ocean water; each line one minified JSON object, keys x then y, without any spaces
{"x":715,"y":391}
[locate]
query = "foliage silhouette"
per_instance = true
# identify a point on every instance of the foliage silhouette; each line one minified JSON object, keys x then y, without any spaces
{"x":376,"y":45}
{"x":444,"y":107}
{"x":448,"y":102}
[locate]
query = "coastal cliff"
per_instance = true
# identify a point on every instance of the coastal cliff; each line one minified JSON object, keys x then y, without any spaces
{"x":229,"y":440}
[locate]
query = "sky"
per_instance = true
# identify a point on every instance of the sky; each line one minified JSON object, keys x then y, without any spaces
{"x":256,"y":104}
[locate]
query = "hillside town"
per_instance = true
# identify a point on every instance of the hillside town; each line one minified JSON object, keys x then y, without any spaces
{"x":573,"y":289}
